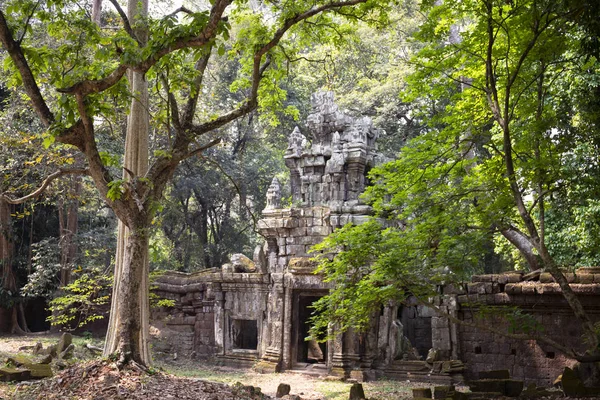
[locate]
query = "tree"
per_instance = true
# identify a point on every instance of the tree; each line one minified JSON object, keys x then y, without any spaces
{"x":498,"y":154}
{"x":80,"y":78}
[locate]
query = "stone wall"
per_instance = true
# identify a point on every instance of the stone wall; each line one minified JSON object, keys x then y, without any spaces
{"x":536,"y":295}
{"x":206,"y":305}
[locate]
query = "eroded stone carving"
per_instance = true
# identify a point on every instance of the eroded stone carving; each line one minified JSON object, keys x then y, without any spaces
{"x":274,"y":195}
{"x":332,"y":168}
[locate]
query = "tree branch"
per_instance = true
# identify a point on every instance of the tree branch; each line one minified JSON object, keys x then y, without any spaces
{"x":29,"y":83}
{"x":522,"y":243}
{"x":190,"y":108}
{"x":96,"y":85}
{"x":202,"y":148}
{"x":49,"y":179}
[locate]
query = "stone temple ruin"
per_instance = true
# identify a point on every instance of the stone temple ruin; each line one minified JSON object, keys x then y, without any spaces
{"x":255,"y":312}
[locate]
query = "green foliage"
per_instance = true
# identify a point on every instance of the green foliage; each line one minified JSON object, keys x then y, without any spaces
{"x":44,"y":280}
{"x":440,"y":205}
{"x":83,"y":301}
{"x":116,"y":189}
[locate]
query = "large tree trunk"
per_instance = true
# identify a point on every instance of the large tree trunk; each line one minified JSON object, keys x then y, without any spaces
{"x":8,"y":275}
{"x":130,"y":310}
{"x":130,"y":304}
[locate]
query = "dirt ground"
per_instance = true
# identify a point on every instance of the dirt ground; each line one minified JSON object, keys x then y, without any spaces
{"x":88,"y":377}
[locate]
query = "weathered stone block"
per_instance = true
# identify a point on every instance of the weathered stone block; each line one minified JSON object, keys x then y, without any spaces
{"x":496,"y":374}
{"x":528,"y":288}
{"x":512,"y":288}
{"x":282,"y":390}
{"x":441,"y":392}
{"x":423,"y":393}
{"x":13,"y":374}
{"x":483,"y":278}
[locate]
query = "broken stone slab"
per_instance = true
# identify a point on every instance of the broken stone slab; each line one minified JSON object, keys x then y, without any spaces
{"x":37,"y":348}
{"x":36,"y":370}
{"x":452,"y":366}
{"x":8,"y":374}
{"x":40,"y":370}
{"x":19,"y":360}
{"x":67,"y":352}
{"x":50,"y":350}
{"x":47,"y":359}
{"x":482,"y":395}
{"x":241,"y":263}
{"x":282,"y":390}
{"x":432,"y":356}
{"x":65,"y":340}
{"x":534,"y":392}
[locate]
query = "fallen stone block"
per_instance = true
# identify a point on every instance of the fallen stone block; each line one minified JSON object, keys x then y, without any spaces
{"x":357,"y":392}
{"x":67,"y":352}
{"x":441,"y":392}
{"x":282,"y":390}
{"x":19,"y":360}
{"x":507,"y":387}
{"x":422,"y":393}
{"x":40,"y":370}
{"x":13,"y":374}
{"x":65,"y":340}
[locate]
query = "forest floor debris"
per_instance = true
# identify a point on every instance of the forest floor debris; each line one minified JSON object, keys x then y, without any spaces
{"x":102,"y":380}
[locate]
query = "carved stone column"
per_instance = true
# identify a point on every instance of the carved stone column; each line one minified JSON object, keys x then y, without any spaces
{"x":287,"y":329}
{"x":271,"y":360}
{"x":219,"y":319}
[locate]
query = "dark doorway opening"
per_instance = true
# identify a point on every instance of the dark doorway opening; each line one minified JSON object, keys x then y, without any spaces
{"x":244,"y":334}
{"x":307,"y":351}
{"x":417,"y":328}
{"x":36,"y":312}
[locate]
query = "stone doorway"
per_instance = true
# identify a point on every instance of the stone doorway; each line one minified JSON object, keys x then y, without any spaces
{"x":306,"y":354}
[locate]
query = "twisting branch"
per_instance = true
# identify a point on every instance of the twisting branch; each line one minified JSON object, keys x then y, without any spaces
{"x":49,"y":179}
{"x":207,"y":35}
{"x":96,"y":85}
{"x":29,"y":83}
{"x":171,"y":102}
{"x":177,"y":11}
{"x":248,"y":105}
